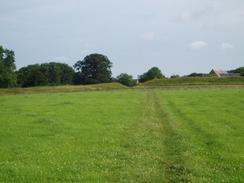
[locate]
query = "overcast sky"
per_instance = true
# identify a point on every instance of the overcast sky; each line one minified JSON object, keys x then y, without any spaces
{"x":179,"y":36}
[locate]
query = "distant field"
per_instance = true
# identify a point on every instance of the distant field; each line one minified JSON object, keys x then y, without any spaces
{"x":123,"y":136}
{"x":195,"y":81}
{"x":58,"y":89}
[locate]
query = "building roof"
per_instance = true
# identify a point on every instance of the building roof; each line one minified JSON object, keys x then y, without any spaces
{"x":219,"y":73}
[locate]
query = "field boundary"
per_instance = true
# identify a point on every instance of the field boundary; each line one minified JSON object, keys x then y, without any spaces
{"x":190,"y":86}
{"x":111,"y":87}
{"x":63,"y":89}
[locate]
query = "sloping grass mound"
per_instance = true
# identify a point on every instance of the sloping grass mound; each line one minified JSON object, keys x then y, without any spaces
{"x":61,"y":89}
{"x":188,"y":81}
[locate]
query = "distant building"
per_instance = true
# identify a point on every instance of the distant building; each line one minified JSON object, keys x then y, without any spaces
{"x":221,"y":73}
{"x":218,"y":73}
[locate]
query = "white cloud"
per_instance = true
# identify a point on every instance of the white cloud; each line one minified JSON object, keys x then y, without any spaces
{"x":227,"y":46}
{"x":149,"y":36}
{"x":198,"y":44}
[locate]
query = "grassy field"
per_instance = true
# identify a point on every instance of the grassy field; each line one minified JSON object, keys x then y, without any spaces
{"x":123,"y":136}
{"x":59,"y":89}
{"x":210,"y":82}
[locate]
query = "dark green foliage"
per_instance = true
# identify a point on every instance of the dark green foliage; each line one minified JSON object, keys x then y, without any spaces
{"x":45,"y":74}
{"x":197,"y":75}
{"x":31,"y":76}
{"x":58,"y":73}
{"x":175,"y":76}
{"x":95,"y":68}
{"x":67,"y":76}
{"x":239,"y":70}
{"x":53,"y":72}
{"x":126,"y":80}
{"x":7,"y":68}
{"x":153,"y":73}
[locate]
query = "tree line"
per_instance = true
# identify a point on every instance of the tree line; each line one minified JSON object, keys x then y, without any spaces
{"x":45,"y":74}
{"x":93,"y":69}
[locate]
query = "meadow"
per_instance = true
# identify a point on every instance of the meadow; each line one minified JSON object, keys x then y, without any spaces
{"x":195,"y":81}
{"x":126,"y":135}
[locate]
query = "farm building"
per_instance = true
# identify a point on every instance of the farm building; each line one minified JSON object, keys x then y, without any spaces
{"x":221,"y":73}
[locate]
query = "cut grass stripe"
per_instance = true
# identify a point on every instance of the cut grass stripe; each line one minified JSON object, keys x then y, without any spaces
{"x":153,"y":150}
{"x":175,"y":168}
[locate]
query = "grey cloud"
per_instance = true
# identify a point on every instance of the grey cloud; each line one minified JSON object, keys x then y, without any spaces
{"x":133,"y":34}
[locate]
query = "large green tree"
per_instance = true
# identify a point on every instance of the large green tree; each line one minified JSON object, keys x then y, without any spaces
{"x":31,"y":75}
{"x":45,"y":74}
{"x":94,"y":68}
{"x":7,"y":68}
{"x":153,"y":73}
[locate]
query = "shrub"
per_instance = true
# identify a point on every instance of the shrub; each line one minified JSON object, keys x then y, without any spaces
{"x":126,"y":80}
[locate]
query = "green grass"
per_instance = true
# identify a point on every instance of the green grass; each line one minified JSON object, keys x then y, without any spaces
{"x":194,"y":81}
{"x":59,"y":89}
{"x":207,"y":141}
{"x":123,"y":136}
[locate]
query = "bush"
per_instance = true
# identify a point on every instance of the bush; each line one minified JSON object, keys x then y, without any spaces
{"x":153,"y":73}
{"x":174,"y":76}
{"x":126,"y":80}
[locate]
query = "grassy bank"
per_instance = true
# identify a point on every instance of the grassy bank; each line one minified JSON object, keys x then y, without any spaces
{"x":195,"y":81}
{"x":62,"y":89}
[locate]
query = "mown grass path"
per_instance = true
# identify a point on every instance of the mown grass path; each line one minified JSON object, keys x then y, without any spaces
{"x":153,"y":148}
{"x":174,"y":164}
{"x":143,"y":146}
